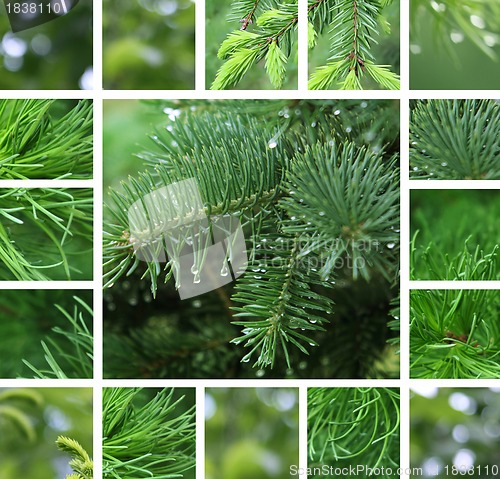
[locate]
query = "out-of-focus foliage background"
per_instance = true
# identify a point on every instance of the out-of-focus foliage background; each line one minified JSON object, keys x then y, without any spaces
{"x":130,"y":120}
{"x":251,"y":433}
{"x":455,"y":426}
{"x":448,"y":60}
{"x":148,"y":44}
{"x":54,"y":56}
{"x":62,"y":411}
{"x":217,"y":27}
{"x":386,"y":52}
{"x":27,"y":318}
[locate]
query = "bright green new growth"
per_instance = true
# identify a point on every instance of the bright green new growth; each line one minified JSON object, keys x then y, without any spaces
{"x":38,"y":142}
{"x":353,"y":426}
{"x":45,"y":234}
{"x":454,"y":334}
{"x":12,"y":402}
{"x":455,"y":140}
{"x":273,"y":38}
{"x":70,"y":353}
{"x":454,"y":20}
{"x":149,"y":441}
{"x":354,"y":26}
{"x":81,"y":463}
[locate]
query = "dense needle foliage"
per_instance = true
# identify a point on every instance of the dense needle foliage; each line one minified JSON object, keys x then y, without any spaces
{"x":455,"y":140}
{"x":454,"y":234}
{"x":46,"y":139}
{"x":353,"y":426}
{"x":354,"y":28}
{"x":454,"y":334}
{"x":299,"y":176}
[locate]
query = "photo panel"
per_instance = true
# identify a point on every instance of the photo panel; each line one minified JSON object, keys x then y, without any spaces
{"x":46,"y":432}
{"x":46,"y":45}
{"x":148,"y":430}
{"x":353,"y":45}
{"x":46,"y":234}
{"x":353,"y":431}
{"x":46,"y":139}
{"x":251,"y":45}
{"x":450,"y":42}
{"x":251,"y":242}
{"x":455,"y":139}
{"x":46,"y":334}
{"x":251,"y":432}
{"x":454,"y":431}
{"x":454,"y":234}
{"x":454,"y":334}
{"x":148,"y":44}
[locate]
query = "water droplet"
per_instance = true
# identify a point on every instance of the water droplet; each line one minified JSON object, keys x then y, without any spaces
{"x":444,"y":163}
{"x":225,"y":270}
{"x":415,"y":49}
{"x":322,"y":213}
{"x":260,"y":373}
{"x":457,"y":37}
{"x":478,"y":21}
{"x":439,"y":7}
{"x":490,"y":41}
{"x":336,"y":112}
{"x":391,"y":245}
{"x":196,"y":279}
{"x":133,"y":301}
{"x":196,"y":303}
{"x":246,"y":359}
{"x":313,"y":321}
{"x":272,"y":143}
{"x":364,"y":104}
{"x":194,"y":269}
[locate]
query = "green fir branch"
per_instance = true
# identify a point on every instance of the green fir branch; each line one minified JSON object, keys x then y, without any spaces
{"x":46,"y":234}
{"x":454,"y":20}
{"x":38,"y":142}
{"x":273,"y":36}
{"x":81,"y":463}
{"x":354,"y":26}
{"x":278,"y":303}
{"x":454,"y":334}
{"x":353,"y":426}
{"x":70,"y":353}
{"x":154,"y":440}
{"x":455,"y":140}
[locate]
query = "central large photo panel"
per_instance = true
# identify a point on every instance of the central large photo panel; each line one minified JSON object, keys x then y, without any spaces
{"x":251,"y":239}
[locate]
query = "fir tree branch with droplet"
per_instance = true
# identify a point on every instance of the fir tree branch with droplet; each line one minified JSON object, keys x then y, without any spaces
{"x":354,"y":26}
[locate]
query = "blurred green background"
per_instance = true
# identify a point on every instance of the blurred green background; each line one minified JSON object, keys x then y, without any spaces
{"x":251,"y":433}
{"x":439,"y":64}
{"x":455,"y":426}
{"x":386,"y":52}
{"x":27,"y":318}
{"x":217,"y":28}
{"x":148,"y":44}
{"x":53,"y":56}
{"x":62,"y":411}
{"x":132,"y":120}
